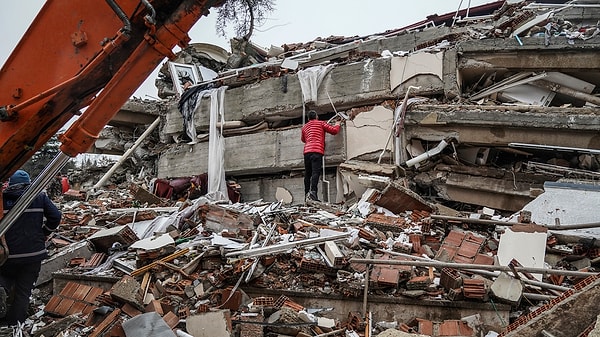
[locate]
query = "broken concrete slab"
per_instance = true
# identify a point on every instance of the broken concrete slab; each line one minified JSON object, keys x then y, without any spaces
{"x":377,"y":124}
{"x":566,"y":203}
{"x":482,"y":185}
{"x":128,"y":290}
{"x":421,"y":64}
{"x":347,"y":85}
{"x":104,"y":240}
{"x":147,"y":324}
{"x":210,"y":324}
{"x":507,"y":289}
{"x":399,"y":199}
{"x":154,"y":243}
{"x":265,"y":188}
{"x":272,"y":152}
{"x":57,"y":261}
{"x":524,"y":243}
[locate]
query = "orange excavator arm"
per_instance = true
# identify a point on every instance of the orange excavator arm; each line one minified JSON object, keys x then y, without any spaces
{"x":79,"y":54}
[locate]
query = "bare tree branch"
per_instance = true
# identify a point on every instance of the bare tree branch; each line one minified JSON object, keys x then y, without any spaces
{"x":245,"y":15}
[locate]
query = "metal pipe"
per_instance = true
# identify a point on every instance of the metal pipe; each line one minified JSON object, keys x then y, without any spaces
{"x":481,"y":272}
{"x":366,"y":290}
{"x":337,"y":113}
{"x":567,"y":91}
{"x":152,"y":16}
{"x":344,"y":117}
{"x":574,"y":226}
{"x":121,"y":14}
{"x":504,"y":223}
{"x":456,"y":13}
{"x":264,"y":244}
{"x":285,"y":246}
{"x":474,"y":221}
{"x":325,"y":181}
{"x":512,"y":82}
{"x":426,"y":155}
{"x":553,"y":148}
{"x":137,"y":143}
{"x":538,"y":297}
{"x":468,"y":266}
{"x":34,"y":189}
{"x":524,"y":280}
{"x":399,"y":113}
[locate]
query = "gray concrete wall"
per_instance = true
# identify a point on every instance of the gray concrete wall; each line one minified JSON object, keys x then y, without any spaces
{"x":569,"y":127}
{"x":349,"y":85}
{"x":265,"y":188}
{"x":258,"y":153}
{"x":372,"y":81}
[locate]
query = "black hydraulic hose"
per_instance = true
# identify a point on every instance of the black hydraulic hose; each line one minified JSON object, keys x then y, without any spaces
{"x":152,"y":16}
{"x":121,"y":14}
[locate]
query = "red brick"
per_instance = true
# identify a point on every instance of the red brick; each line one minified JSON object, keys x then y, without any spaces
{"x":425,"y":327}
{"x":52,"y":304}
{"x":69,"y":289}
{"x":93,"y":294}
{"x":76,"y":308}
{"x":81,"y":292}
{"x":171,"y":319}
{"x":65,"y":305}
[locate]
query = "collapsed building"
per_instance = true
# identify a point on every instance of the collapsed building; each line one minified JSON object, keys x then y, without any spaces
{"x":513,"y":107}
{"x":483,"y":112}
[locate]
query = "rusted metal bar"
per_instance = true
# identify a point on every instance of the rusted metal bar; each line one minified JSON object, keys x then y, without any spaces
{"x":467,"y":266}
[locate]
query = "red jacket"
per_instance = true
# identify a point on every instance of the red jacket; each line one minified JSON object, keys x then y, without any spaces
{"x":313,"y":135}
{"x":64,"y":182}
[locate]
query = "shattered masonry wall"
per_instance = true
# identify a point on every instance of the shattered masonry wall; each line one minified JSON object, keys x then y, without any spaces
{"x":366,"y":80}
{"x":257,"y":153}
{"x":355,"y":84}
{"x":266,"y":188}
{"x":497,"y":126}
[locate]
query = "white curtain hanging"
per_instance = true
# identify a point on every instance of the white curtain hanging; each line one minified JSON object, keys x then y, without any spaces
{"x":217,"y":186}
{"x":310,"y":80}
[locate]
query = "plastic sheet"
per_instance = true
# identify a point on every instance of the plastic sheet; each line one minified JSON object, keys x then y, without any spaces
{"x":217,"y":187}
{"x":310,"y":80}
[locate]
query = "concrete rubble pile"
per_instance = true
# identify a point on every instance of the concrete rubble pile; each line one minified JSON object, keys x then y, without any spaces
{"x":204,"y":268}
{"x":459,"y":198}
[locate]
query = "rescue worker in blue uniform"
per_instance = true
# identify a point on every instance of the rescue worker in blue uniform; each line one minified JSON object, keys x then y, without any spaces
{"x":26,"y":243}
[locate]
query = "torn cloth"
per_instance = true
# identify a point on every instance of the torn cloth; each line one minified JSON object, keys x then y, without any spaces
{"x":310,"y":80}
{"x":187,"y":107}
{"x":217,"y":187}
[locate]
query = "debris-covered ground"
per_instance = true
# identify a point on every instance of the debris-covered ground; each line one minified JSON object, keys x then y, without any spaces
{"x":405,"y":256}
{"x":130,"y":267}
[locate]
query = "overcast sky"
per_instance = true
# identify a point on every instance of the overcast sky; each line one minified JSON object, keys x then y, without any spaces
{"x":291,"y":22}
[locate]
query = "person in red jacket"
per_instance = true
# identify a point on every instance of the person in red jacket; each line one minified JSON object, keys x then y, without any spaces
{"x":64,"y":184}
{"x":313,"y":137}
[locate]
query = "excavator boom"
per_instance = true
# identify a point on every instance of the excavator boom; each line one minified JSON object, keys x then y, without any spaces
{"x":79,"y":54}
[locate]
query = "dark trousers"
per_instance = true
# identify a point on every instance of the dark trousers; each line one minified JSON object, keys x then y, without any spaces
{"x":313,"y":165}
{"x":18,"y":279}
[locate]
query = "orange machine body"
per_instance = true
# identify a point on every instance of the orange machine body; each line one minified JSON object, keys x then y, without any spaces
{"x":79,"y":54}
